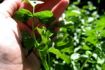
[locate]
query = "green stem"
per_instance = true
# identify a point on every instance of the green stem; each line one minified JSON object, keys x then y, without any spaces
{"x":43,"y":57}
{"x":44,"y":62}
{"x":33,"y":19}
{"x":33,"y":27}
{"x":49,"y":61}
{"x":85,"y":62}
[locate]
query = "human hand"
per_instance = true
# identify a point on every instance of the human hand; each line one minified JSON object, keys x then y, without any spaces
{"x":12,"y":55}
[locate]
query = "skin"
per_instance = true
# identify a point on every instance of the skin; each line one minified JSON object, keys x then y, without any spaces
{"x":12,"y":55}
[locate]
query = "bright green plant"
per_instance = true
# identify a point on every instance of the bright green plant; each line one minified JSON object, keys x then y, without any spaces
{"x":29,"y":40}
{"x":79,"y":43}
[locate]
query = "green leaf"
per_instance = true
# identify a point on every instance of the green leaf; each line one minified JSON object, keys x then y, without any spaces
{"x":27,"y":40}
{"x":44,"y":16}
{"x":85,"y":47}
{"x":103,"y":66}
{"x":62,"y":39}
{"x":73,"y":13}
{"x":92,"y":37}
{"x":44,"y":39}
{"x":61,"y":43}
{"x":68,"y":50}
{"x":60,"y":55}
{"x":45,"y":34}
{"x":100,"y":24}
{"x":23,"y":15}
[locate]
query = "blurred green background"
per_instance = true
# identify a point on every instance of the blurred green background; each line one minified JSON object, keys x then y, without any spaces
{"x":83,"y":25}
{"x":97,"y":3}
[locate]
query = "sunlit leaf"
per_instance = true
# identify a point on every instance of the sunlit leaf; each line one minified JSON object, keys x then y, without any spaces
{"x":44,"y":16}
{"x":59,"y":54}
{"x":22,"y":15}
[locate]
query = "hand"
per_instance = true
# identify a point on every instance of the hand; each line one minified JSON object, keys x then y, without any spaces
{"x":12,"y":55}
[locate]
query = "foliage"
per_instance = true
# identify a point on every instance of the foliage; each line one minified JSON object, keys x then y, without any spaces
{"x":78,"y":45}
{"x":86,"y":27}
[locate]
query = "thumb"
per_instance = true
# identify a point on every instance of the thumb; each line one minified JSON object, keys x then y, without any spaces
{"x":8,"y":7}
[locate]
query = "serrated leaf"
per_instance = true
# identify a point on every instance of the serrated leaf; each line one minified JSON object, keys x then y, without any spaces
{"x":44,"y":16}
{"x":23,"y":15}
{"x":60,"y":55}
